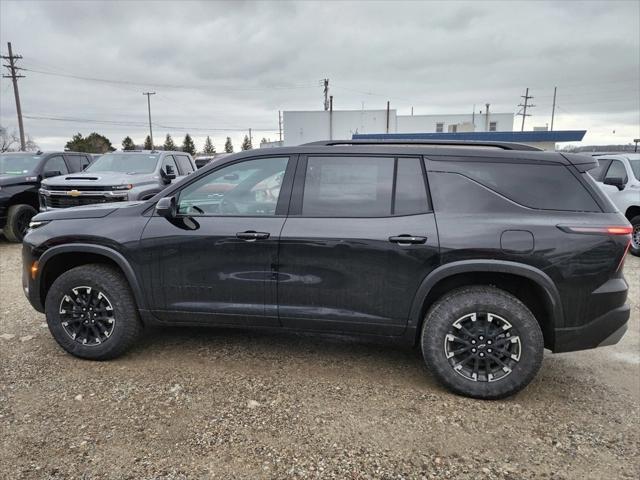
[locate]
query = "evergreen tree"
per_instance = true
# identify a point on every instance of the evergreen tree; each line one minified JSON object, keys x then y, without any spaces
{"x":209,"y":149}
{"x":147,"y":143}
{"x":127,"y":144}
{"x":168,"y":144}
{"x":228,"y":146}
{"x":246,"y":143}
{"x":188,"y":145}
{"x":94,"y":143}
{"x":264,"y":140}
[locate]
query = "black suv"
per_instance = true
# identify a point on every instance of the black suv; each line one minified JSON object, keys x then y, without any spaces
{"x":20,"y":177}
{"x":482,"y":254}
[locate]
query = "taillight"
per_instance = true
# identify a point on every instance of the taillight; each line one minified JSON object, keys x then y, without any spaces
{"x":604,"y":230}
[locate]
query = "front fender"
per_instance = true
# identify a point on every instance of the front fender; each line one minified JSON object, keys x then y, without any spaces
{"x":110,"y":253}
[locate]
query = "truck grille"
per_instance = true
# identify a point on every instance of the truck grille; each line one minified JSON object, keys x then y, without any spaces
{"x":61,"y":201}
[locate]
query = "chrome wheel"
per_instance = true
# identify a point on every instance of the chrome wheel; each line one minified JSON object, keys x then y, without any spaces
{"x":482,"y":347}
{"x":635,"y":237}
{"x":87,"y":316}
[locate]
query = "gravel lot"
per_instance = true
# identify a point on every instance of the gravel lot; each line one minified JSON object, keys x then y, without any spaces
{"x":205,"y":403}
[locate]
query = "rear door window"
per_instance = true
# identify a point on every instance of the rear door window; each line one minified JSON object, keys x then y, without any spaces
{"x":538,"y":186}
{"x":170,"y":162}
{"x":56,"y":164}
{"x":344,"y":186}
{"x":185,"y":164}
{"x":617,"y":170}
{"x":410,"y":188}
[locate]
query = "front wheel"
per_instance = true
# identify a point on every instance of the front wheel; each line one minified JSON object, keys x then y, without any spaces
{"x":18,"y":218}
{"x":482,"y":342}
{"x":91,"y":312}
{"x":635,"y":236}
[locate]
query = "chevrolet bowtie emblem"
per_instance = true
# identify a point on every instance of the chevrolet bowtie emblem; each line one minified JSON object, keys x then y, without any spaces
{"x":73,"y":193}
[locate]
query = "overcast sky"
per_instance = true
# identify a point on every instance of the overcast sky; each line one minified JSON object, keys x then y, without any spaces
{"x":220,"y":68}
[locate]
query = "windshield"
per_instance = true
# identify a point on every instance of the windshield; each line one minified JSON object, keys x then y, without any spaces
{"x":124,"y":163}
{"x":635,"y":166}
{"x":17,"y":164}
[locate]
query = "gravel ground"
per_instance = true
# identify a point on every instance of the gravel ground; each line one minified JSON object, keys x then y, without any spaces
{"x":205,"y":403}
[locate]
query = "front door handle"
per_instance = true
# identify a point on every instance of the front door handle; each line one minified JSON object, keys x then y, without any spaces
{"x":251,"y":236}
{"x":408,"y":240}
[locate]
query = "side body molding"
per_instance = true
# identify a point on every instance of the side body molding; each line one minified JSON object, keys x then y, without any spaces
{"x":488,"y":265}
{"x":110,"y":253}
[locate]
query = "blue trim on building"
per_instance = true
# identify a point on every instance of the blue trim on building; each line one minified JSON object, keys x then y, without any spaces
{"x":522,"y":137}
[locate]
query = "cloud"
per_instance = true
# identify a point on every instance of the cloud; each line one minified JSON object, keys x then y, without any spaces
{"x":220,"y":68}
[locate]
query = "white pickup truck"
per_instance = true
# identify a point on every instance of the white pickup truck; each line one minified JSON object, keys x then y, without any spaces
{"x":619,"y":176}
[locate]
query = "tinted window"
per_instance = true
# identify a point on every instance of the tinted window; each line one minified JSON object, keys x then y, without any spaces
{"x":74,"y":162}
{"x":185,"y":164}
{"x":411,"y":192}
{"x":598,"y":172}
{"x":169,"y":161}
{"x":348,"y":187}
{"x":617,"y":170}
{"x":547,"y":187}
{"x":246,"y":188}
{"x":56,"y":164}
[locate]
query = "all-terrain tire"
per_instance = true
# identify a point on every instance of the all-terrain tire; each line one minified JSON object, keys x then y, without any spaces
{"x":18,"y":218}
{"x":462,"y":302}
{"x":635,"y":245}
{"x":126,"y":326}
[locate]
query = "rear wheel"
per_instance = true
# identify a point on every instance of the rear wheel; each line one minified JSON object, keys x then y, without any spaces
{"x":91,"y":312}
{"x":635,"y":236}
{"x":482,"y":342}
{"x":18,"y":218}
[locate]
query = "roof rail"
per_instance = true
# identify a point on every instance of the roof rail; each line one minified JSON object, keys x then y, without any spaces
{"x":446,"y":143}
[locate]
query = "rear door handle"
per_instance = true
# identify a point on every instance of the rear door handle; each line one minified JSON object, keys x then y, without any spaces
{"x":251,"y":236}
{"x":408,"y":240}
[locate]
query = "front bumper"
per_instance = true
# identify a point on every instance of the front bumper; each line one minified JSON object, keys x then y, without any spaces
{"x":605,"y":330}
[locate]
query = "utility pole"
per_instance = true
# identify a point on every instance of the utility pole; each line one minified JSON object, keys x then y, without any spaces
{"x":14,"y":78}
{"x":280,"y":124}
{"x":486,"y":118}
{"x":387,"y":116}
{"x":330,"y":117}
{"x":250,"y":142}
{"x":148,"y":94}
{"x":525,"y":106}
{"x":553,"y":109}
{"x":326,"y":94}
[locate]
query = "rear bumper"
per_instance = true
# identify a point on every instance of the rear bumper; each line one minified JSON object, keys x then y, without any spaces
{"x":605,"y":330}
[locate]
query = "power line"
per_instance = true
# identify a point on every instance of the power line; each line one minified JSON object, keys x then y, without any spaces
{"x":14,"y":78}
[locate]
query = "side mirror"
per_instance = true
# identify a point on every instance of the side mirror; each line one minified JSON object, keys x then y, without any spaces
{"x":52,"y":173}
{"x":166,"y":207}
{"x":616,"y":182}
{"x":168,"y":173}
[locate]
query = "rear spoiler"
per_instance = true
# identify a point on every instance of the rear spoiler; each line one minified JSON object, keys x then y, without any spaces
{"x":583,"y":163}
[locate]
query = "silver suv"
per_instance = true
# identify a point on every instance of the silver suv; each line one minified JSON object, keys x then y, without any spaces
{"x":116,"y":177}
{"x":619,"y":176}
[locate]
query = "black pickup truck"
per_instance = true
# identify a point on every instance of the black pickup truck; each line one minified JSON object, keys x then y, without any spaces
{"x":20,"y":177}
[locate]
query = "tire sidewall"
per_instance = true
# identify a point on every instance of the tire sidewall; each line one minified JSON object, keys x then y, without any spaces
{"x":121,"y":308}
{"x":444,"y":314}
{"x":635,"y":221}
{"x":11,"y":230}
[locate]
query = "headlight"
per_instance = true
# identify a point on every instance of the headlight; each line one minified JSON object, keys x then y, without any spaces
{"x":36,"y":224}
{"x":122,"y":187}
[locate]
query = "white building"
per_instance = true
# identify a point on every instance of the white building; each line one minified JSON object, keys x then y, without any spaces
{"x":309,"y":126}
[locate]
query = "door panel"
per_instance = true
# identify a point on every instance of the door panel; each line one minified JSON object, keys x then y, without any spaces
{"x":215,"y":261}
{"x":345,"y":274}
{"x":208,"y":274}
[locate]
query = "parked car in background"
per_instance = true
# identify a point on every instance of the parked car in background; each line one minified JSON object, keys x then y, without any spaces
{"x":619,"y":176}
{"x":20,"y":176}
{"x":422,"y":243}
{"x":117,"y":177}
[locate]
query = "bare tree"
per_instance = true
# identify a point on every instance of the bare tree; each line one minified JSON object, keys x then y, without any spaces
{"x":10,"y":142}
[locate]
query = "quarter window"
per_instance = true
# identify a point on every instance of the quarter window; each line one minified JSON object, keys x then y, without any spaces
{"x":249,"y":188}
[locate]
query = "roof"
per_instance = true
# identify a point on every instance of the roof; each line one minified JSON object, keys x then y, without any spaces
{"x":526,"y":137}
